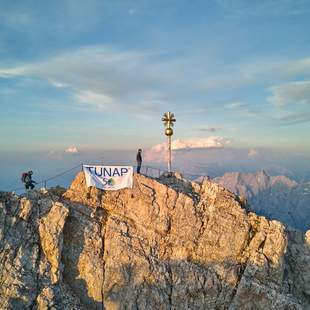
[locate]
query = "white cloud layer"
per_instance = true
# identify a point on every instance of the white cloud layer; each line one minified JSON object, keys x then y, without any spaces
{"x":158,"y":152}
{"x":72,"y":149}
{"x":199,"y":143}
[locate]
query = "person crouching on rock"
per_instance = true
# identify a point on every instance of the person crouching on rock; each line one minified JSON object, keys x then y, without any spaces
{"x":139,"y":160}
{"x":27,"y":179}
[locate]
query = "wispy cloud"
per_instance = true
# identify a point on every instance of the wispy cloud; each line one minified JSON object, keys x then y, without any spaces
{"x":299,"y":66}
{"x":16,"y":20}
{"x":11,"y":72}
{"x":132,"y":11}
{"x":99,"y":100}
{"x":100,"y":76}
{"x":294,"y":118}
{"x":109,"y":79}
{"x":211,"y":129}
{"x":245,"y":74}
{"x":243,"y":108}
{"x":238,"y":105}
{"x":241,"y":8}
{"x":290,"y":93}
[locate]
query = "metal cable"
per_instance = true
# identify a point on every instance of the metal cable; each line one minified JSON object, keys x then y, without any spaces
{"x":51,"y":178}
{"x":80,"y":165}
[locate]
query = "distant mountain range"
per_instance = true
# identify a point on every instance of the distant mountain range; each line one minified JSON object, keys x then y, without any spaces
{"x":276,"y":197}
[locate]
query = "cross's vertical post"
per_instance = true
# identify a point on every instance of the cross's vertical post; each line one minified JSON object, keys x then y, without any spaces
{"x":168,"y":119}
{"x":169,"y":153}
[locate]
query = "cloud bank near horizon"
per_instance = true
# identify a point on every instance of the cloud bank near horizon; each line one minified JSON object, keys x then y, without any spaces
{"x":72,"y":150}
{"x":158,"y":152}
{"x":210,"y":161}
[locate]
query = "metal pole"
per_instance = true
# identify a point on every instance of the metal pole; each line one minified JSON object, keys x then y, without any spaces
{"x":169,"y":154}
{"x":168,"y":119}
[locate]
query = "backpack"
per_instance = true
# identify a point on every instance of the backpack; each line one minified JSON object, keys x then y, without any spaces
{"x":24,"y":175}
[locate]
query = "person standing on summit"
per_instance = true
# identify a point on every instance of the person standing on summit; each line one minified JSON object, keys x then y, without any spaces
{"x":139,"y":160}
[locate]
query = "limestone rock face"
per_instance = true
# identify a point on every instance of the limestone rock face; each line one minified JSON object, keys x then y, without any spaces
{"x":30,"y":253}
{"x":50,"y":230}
{"x":164,"y":244}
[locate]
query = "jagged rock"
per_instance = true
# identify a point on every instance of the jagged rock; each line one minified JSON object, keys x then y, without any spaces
{"x":276,"y":197}
{"x":50,"y":231}
{"x":83,"y":255}
{"x":28,"y":263}
{"x":307,"y":238}
{"x":164,"y":244}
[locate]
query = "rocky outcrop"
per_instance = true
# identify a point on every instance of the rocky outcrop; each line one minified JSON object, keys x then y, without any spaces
{"x":50,"y":232}
{"x":276,"y":197}
{"x":164,"y":244}
{"x":30,"y":253}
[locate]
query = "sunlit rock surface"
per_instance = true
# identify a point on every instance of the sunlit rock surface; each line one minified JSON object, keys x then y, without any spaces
{"x":165,"y":244}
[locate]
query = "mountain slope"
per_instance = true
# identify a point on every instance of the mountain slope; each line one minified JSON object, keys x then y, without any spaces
{"x":276,"y":197}
{"x":165,"y":244}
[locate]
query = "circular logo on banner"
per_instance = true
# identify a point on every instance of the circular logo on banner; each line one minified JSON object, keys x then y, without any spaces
{"x":111,"y":182}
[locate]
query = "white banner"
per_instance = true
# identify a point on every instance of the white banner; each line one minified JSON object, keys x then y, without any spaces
{"x":109,"y":178}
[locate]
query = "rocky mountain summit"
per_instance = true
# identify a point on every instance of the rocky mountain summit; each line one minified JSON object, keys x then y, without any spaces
{"x":164,"y":244}
{"x":276,"y":197}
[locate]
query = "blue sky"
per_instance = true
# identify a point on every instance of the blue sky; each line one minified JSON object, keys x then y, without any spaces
{"x":100,"y":74}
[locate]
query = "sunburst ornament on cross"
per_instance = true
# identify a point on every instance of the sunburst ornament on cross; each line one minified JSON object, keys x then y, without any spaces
{"x":168,"y":119}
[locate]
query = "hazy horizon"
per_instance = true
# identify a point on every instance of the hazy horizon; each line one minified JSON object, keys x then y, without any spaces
{"x":191,"y":162}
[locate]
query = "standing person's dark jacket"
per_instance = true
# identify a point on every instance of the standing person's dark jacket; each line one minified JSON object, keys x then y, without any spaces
{"x":139,"y":157}
{"x":139,"y":160}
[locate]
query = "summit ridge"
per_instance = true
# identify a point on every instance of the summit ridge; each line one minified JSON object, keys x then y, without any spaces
{"x":167,"y":243}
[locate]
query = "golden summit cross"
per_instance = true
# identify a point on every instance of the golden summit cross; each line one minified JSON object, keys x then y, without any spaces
{"x":168,"y":119}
